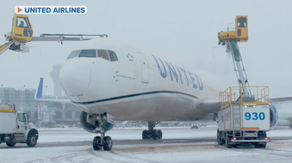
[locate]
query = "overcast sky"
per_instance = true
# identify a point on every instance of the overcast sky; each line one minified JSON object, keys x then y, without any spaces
{"x":181,"y":32}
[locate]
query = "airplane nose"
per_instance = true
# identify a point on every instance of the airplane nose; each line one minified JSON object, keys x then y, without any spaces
{"x":75,"y":77}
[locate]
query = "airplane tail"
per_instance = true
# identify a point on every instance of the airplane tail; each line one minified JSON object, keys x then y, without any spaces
{"x":39,"y":95}
{"x":39,"y":92}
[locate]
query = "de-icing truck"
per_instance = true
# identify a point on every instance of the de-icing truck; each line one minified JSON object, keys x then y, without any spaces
{"x":14,"y":127}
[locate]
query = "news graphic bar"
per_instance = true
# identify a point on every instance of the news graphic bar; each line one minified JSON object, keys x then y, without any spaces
{"x":50,"y":9}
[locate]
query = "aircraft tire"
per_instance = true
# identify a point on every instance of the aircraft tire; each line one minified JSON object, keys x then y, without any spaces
{"x":145,"y":135}
{"x":107,"y":143}
{"x":96,"y":143}
{"x":154,"y":134}
{"x":159,"y":134}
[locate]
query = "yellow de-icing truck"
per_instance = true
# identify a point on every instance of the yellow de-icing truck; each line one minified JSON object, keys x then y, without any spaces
{"x":21,"y":28}
{"x":246,"y":114}
{"x":22,"y":33}
{"x":14,"y":127}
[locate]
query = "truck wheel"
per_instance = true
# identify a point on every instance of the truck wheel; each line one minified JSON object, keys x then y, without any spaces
{"x":31,"y":140}
{"x":260,"y":145}
{"x":261,"y":137}
{"x":227,"y":142}
{"x":219,"y":138}
{"x":10,"y":144}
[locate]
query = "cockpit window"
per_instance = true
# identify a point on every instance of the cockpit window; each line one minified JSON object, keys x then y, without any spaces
{"x":103,"y":54}
{"x":112,"y":55}
{"x":73,"y":54}
{"x":91,"y":53}
{"x":88,"y":53}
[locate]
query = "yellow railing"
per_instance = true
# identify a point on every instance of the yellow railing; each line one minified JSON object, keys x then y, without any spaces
{"x":233,"y":94}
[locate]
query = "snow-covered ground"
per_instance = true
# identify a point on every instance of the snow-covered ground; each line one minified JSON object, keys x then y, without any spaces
{"x":178,"y":145}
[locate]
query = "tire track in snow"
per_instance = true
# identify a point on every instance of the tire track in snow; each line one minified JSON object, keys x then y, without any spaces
{"x":67,"y":157}
{"x":131,"y":157}
{"x":266,"y":151}
{"x":102,"y":154}
{"x":36,"y":160}
{"x":86,"y":160}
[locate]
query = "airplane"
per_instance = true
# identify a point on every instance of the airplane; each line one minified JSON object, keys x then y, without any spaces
{"x":112,"y":80}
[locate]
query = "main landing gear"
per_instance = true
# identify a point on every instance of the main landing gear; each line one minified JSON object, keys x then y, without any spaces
{"x":151,"y":133}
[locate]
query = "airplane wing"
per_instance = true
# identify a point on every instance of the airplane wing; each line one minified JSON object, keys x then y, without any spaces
{"x":207,"y":109}
{"x":39,"y":95}
{"x":281,"y":99}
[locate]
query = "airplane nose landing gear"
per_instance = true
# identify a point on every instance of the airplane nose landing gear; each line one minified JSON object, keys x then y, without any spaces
{"x":151,"y":133}
{"x":98,"y":123}
{"x":106,"y":143}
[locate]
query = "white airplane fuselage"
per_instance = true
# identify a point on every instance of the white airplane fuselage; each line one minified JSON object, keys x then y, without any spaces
{"x":139,"y":86}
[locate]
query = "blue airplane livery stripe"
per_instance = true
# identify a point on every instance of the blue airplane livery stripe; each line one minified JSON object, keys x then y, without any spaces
{"x":132,"y":95}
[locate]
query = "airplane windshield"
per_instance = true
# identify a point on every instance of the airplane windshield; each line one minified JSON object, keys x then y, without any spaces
{"x":112,"y":55}
{"x":91,"y":53}
{"x":103,"y":54}
{"x":87,"y":53}
{"x":73,"y":54}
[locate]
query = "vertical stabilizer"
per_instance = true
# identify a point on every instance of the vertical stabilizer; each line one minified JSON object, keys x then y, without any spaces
{"x":39,"y":92}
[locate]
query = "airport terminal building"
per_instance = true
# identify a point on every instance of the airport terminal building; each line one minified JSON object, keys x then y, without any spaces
{"x":46,"y":113}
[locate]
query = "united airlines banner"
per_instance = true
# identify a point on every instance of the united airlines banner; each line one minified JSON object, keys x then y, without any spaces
{"x":50,"y":9}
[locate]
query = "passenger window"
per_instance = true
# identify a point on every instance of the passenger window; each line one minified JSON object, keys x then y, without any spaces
{"x":73,"y":54}
{"x":21,"y":117}
{"x":112,"y":55}
{"x":103,"y":54}
{"x":88,"y":53}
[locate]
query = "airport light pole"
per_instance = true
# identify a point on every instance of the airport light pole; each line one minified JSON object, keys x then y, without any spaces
{"x":45,"y":90}
{"x":23,"y":96}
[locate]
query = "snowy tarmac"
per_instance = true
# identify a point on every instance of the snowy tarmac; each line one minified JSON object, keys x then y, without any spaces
{"x":177,"y":145}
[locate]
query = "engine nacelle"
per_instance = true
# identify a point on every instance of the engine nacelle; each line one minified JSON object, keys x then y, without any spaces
{"x":274,"y":117}
{"x":93,"y":123}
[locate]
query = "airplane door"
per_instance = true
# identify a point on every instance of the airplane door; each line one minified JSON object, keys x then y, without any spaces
{"x":144,"y":68}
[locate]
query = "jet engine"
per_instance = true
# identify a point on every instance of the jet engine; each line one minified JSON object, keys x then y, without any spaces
{"x":274,"y":117}
{"x":94,"y":123}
